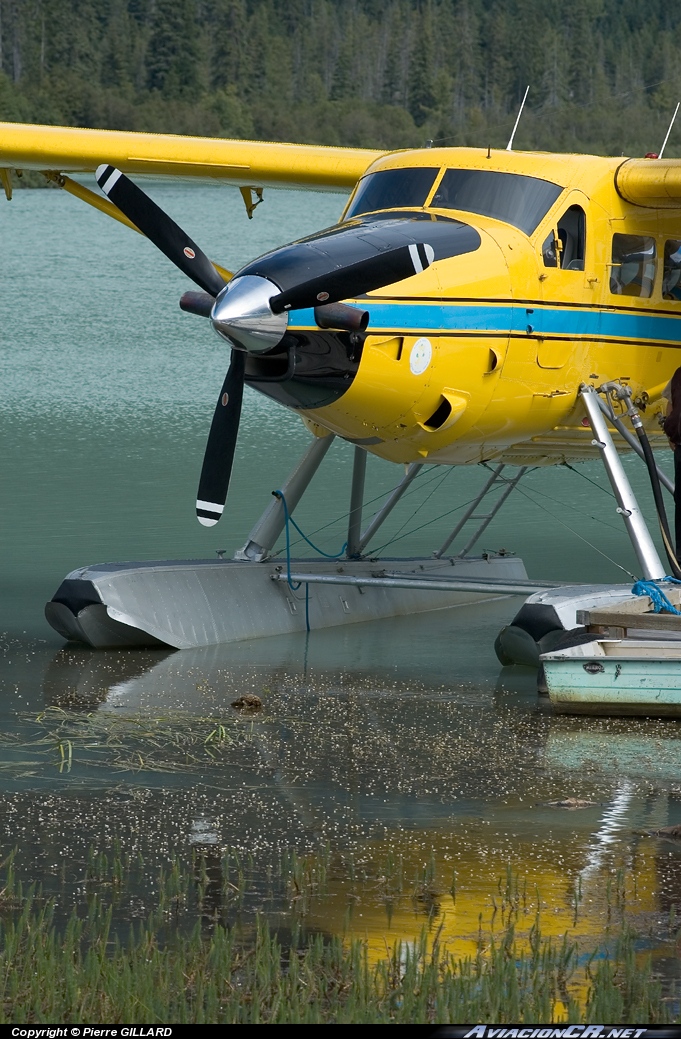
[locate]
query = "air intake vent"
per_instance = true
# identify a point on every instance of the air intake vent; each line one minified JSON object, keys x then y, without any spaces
{"x":440,"y":415}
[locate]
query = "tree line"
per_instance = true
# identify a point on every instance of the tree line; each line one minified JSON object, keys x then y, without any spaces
{"x":604,"y":75}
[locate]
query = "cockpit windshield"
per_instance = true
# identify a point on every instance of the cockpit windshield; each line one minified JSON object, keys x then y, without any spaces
{"x":393,"y":189}
{"x":517,"y":200}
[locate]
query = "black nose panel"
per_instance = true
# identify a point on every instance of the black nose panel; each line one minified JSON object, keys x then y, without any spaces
{"x":362,"y":239}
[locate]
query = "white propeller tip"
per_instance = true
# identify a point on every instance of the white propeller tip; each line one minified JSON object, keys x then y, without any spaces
{"x":208,"y":512}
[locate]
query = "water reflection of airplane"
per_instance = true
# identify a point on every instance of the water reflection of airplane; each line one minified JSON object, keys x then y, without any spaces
{"x":385,"y":771}
{"x":159,"y":680}
{"x":438,"y":705}
{"x":467,"y":308}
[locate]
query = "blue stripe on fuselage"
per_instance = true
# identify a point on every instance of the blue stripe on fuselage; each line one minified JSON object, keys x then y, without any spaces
{"x":502,"y":318}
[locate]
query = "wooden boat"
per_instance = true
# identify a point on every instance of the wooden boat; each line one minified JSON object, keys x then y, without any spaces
{"x":632,"y":666}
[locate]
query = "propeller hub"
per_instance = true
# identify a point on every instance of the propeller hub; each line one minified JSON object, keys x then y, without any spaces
{"x":243,"y":316}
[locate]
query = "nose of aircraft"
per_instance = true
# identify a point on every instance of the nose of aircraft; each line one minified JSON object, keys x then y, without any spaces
{"x":243,"y":316}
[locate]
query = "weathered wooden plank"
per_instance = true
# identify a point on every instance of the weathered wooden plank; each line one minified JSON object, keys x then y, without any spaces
{"x":643,"y":621}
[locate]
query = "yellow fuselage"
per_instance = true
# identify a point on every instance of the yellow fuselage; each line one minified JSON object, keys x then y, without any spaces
{"x":512,"y":339}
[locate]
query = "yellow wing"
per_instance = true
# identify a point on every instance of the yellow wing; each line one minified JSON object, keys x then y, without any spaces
{"x":63,"y":149}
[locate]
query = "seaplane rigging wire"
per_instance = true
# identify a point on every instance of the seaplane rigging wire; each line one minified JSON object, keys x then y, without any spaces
{"x":437,"y":486}
{"x":424,"y":481}
{"x":432,"y":477}
{"x":575,"y":508}
{"x":420,"y":477}
{"x":422,"y":526}
{"x":524,"y":492}
{"x":588,"y":479}
{"x":569,"y":505}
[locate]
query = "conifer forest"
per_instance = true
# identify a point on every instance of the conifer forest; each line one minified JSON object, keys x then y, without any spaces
{"x":604,"y":75}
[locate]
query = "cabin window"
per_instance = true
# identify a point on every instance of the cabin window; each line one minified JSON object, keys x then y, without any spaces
{"x":568,"y":241}
{"x":392,"y":189}
{"x":671,"y":279}
{"x":517,"y":200}
{"x":633,"y":265}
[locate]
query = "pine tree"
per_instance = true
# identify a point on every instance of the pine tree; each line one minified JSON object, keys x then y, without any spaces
{"x":172,"y":58}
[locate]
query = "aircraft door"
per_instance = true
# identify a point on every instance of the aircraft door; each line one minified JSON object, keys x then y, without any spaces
{"x":567,"y":284}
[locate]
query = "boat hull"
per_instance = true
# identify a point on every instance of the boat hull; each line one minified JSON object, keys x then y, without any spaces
{"x":616,"y":678}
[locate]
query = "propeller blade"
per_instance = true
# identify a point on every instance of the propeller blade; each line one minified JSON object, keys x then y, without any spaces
{"x":219,"y":456}
{"x":159,"y":228}
{"x":356,"y":279}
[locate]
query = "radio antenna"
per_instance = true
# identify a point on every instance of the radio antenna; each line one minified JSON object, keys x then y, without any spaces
{"x":509,"y":146}
{"x":664,"y":145}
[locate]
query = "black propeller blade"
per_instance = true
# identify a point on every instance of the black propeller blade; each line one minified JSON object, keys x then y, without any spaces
{"x":217,"y":461}
{"x":357,"y":278}
{"x":185,"y":254}
{"x":159,"y":228}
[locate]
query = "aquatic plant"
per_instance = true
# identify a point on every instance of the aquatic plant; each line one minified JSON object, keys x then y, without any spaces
{"x":83,"y":970}
{"x":128,"y":743}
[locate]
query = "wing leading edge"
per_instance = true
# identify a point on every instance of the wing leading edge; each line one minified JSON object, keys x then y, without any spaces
{"x":263,"y":163}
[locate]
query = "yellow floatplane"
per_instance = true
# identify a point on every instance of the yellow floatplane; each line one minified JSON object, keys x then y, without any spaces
{"x":470,"y":306}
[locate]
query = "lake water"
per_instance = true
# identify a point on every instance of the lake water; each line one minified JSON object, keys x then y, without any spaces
{"x":399,"y":738}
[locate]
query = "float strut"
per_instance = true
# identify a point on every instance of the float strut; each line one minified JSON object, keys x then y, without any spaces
{"x":359,"y":469}
{"x":263,"y":537}
{"x":383,"y":513}
{"x":627,"y":506}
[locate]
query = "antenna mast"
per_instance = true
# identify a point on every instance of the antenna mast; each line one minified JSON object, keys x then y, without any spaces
{"x":664,"y":144}
{"x":509,"y":146}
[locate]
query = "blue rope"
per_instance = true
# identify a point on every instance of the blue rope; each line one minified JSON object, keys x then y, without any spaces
{"x":294,"y":586}
{"x":661,"y":603}
{"x":290,"y":519}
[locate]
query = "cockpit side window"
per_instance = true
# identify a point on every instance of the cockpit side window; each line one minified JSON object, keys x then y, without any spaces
{"x":567,"y":241}
{"x":671,"y":278}
{"x":392,"y":189}
{"x":632,"y":272}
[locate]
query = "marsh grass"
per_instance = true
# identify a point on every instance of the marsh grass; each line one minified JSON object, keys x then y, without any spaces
{"x":83,"y":968}
{"x":128,"y":743}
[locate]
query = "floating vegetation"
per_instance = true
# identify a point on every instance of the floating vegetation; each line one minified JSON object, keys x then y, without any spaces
{"x":248,"y":702}
{"x":120,"y":743}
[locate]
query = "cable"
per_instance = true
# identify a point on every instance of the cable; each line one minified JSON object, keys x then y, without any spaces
{"x":580,"y":536}
{"x":635,"y":419}
{"x":292,"y":586}
{"x":395,"y":537}
{"x":657,"y":495}
{"x":383,"y":494}
{"x":588,"y":479}
{"x":420,"y":477}
{"x":289,"y":519}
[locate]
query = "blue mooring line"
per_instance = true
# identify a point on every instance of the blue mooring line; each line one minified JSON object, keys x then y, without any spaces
{"x":288,"y":519}
{"x":661,"y":603}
